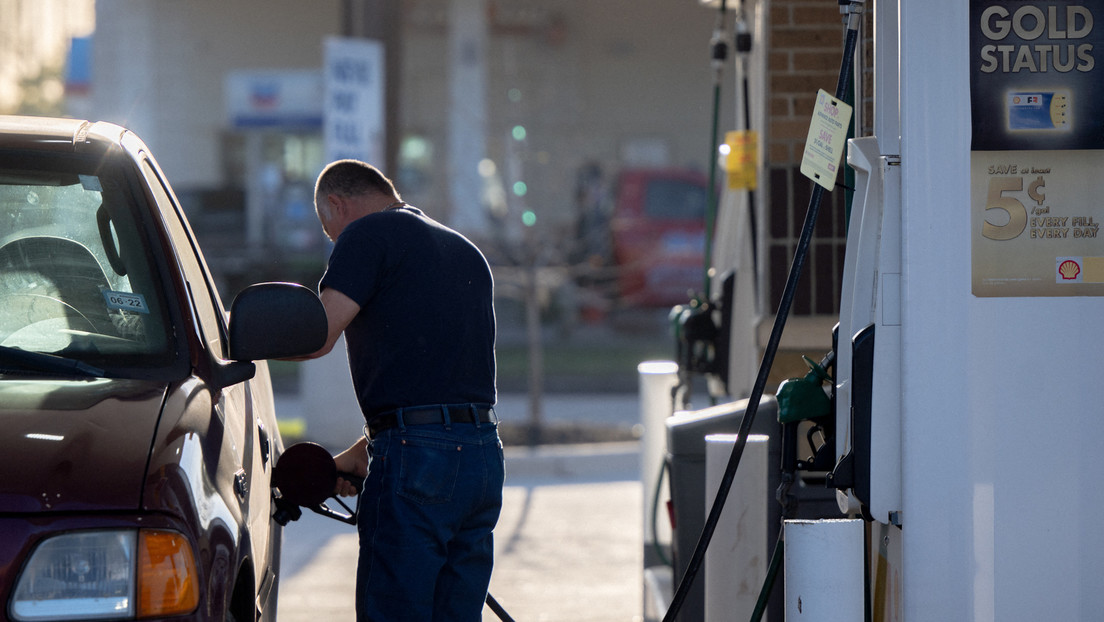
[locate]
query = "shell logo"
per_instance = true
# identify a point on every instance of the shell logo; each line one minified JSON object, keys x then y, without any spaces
{"x":1069,"y":269}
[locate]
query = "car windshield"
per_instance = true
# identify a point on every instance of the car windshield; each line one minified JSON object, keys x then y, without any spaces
{"x":76,"y":278}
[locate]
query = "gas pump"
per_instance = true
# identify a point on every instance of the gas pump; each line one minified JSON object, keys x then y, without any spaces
{"x":716,"y":332}
{"x":868,"y":350}
{"x":975,"y":213}
{"x":965,"y":418}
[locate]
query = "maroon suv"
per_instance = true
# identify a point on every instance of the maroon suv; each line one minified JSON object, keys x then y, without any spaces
{"x":137,"y":435}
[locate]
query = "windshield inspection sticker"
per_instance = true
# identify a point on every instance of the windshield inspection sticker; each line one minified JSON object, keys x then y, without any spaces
{"x":126,"y":301}
{"x":827,"y":137}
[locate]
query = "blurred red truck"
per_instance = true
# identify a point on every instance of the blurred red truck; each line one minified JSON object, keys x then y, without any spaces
{"x":658,"y":230}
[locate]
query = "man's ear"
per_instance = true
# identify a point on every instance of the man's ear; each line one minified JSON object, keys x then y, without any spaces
{"x":336,"y":203}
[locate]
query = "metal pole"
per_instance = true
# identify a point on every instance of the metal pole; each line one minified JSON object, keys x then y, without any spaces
{"x":719,"y":53}
{"x":381,"y":20}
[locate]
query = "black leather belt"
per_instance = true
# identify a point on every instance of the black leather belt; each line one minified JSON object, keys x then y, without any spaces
{"x":426,"y":415}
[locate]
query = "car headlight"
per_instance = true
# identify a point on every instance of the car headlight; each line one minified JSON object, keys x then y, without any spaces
{"x":107,"y":574}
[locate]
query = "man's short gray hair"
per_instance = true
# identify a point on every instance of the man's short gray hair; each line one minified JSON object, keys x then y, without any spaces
{"x":349,"y":178}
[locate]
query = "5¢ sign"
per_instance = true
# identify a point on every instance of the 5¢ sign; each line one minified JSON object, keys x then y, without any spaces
{"x":1003,"y":206}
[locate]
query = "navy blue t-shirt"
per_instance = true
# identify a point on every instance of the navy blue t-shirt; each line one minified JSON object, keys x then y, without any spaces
{"x":426,"y":329}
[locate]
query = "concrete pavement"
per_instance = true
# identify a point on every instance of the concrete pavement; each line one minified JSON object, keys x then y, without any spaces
{"x":568,"y":546}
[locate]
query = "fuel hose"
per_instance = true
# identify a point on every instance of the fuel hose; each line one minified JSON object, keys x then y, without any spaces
{"x":796,"y":268}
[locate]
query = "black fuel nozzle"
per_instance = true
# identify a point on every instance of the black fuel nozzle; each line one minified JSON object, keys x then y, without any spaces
{"x":696,"y":330}
{"x":306,"y":476}
{"x":703,"y":330}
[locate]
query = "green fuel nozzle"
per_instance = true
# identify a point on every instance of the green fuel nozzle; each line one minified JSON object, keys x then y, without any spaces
{"x":800,"y":399}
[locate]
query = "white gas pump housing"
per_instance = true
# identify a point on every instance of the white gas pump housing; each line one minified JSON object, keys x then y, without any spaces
{"x":868,"y":350}
{"x":979,"y":381}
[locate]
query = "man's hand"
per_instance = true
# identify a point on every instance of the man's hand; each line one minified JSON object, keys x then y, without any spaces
{"x":353,"y":461}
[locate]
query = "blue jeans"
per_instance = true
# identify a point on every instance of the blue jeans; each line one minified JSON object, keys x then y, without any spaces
{"x":430,"y":502}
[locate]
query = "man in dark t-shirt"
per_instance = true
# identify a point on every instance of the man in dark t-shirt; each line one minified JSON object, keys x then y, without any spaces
{"x":425,"y":331}
{"x":414,"y":300}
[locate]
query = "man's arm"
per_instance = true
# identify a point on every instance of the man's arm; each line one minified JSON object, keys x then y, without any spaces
{"x":340,"y":310}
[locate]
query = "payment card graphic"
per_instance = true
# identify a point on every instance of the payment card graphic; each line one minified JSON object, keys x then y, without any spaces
{"x":1039,"y":110}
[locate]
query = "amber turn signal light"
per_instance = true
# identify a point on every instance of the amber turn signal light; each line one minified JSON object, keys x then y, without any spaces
{"x":166,"y":574}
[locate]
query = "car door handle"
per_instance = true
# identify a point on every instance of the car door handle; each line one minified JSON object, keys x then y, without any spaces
{"x":266,"y":445}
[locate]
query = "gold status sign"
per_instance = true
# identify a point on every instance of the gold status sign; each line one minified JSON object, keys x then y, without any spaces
{"x":1037,"y":160}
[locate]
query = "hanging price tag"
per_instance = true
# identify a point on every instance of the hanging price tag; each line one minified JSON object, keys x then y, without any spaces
{"x":827,"y":137}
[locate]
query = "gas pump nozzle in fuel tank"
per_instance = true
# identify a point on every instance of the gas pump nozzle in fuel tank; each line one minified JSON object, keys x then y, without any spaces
{"x":305,"y":476}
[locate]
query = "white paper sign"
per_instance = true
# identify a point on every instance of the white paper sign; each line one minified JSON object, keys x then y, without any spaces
{"x":354,"y":100}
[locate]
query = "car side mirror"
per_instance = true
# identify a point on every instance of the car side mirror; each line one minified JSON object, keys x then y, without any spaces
{"x":276,"y":320}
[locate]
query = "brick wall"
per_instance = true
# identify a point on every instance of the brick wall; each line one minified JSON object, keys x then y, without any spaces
{"x":806,"y":43}
{"x":805,"y":50}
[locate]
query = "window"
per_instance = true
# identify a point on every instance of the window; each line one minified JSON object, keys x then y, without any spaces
{"x":76,"y":276}
{"x":205,"y":301}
